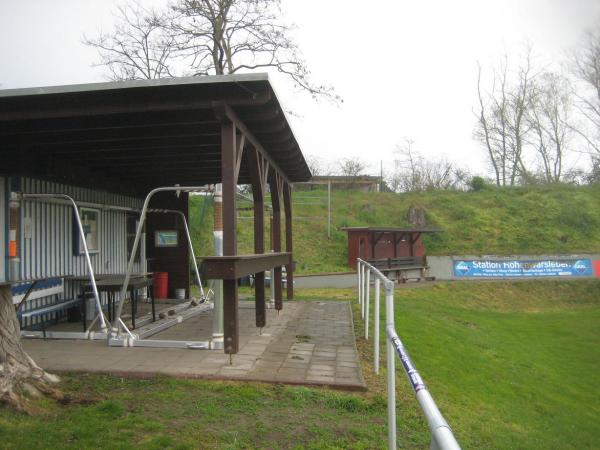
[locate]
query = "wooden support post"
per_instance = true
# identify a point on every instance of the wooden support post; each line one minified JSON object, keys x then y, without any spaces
{"x":231,"y":333}
{"x":372,"y":238}
{"x":412,"y":242}
{"x":258,"y":168}
{"x":229,"y":159}
{"x":275,"y":182}
{"x":287,"y":205}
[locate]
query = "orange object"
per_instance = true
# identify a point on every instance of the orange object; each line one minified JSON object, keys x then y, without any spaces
{"x":12,"y":249}
{"x":161,"y":284}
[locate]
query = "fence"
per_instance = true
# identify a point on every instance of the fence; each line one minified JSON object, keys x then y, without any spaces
{"x":441,"y":434}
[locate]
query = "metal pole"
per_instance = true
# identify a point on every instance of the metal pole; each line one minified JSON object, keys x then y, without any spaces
{"x":358,"y":272}
{"x":391,"y":366}
{"x":366,"y":271}
{"x":368,"y":302}
{"x":376,"y":327}
{"x":218,"y":334}
{"x":441,"y":434}
{"x":88,"y":260}
{"x":362,"y":291}
{"x":189,"y":240}
{"x":329,"y":209}
{"x":136,"y":243}
{"x":143,"y":262}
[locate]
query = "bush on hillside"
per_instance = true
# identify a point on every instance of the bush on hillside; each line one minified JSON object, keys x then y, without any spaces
{"x":477,"y":183}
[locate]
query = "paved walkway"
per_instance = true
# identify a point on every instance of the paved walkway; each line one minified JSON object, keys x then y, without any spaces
{"x":307,"y":343}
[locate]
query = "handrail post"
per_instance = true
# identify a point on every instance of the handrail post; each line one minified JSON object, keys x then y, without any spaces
{"x":120,"y":325}
{"x":364,"y":305}
{"x":376,"y":327}
{"x":391,"y":365}
{"x":368,"y":301}
{"x":358,"y":272}
{"x":362,"y":290}
{"x":86,"y":252}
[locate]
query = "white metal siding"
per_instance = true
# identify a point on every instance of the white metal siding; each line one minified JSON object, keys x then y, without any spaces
{"x":3,"y":230}
{"x":48,"y":252}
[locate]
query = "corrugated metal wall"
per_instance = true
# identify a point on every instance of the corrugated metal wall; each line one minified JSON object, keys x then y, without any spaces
{"x":47,"y":245}
{"x":3,"y":229}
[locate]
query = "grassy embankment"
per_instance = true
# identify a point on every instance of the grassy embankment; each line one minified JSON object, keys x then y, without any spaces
{"x":526,"y":220}
{"x":511,"y":365}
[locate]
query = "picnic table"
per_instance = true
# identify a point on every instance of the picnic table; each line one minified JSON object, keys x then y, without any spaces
{"x":112,"y":283}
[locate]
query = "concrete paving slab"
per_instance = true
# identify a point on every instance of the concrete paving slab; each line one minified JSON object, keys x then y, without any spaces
{"x":308,"y":343}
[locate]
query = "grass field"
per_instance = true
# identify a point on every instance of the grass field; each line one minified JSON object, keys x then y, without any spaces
{"x":511,"y":365}
{"x":527,"y":220}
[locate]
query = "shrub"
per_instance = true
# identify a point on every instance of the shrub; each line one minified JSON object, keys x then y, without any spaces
{"x":477,"y":183}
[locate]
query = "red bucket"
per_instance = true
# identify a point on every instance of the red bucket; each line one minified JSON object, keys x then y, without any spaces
{"x":161,"y":284}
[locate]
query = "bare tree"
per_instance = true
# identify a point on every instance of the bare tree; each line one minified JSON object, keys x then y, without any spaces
{"x":501,"y":124}
{"x":484,"y":132}
{"x":519,"y":100}
{"x":209,"y":37}
{"x":549,"y":118}
{"x":412,"y":172}
{"x":352,"y":167}
{"x":138,"y":48}
{"x":586,"y":68}
{"x":318,"y":166}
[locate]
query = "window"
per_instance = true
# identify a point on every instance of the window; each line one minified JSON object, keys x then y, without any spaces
{"x":89,"y":221}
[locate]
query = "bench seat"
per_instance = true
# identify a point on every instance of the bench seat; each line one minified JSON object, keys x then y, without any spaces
{"x":25,"y":290}
{"x":397,"y":268}
{"x":59,"y":306}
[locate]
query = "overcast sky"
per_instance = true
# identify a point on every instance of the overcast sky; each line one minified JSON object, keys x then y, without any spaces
{"x":403,"y":68}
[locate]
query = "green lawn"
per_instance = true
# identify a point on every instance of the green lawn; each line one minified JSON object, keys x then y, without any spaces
{"x":185,"y":414}
{"x":511,"y":365}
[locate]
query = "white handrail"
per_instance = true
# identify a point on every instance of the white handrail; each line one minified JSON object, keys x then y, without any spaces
{"x":204,"y":296}
{"x":441,"y":433}
{"x":88,"y":261}
{"x":120,"y":325}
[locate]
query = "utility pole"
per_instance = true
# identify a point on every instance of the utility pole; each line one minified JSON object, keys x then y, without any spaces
{"x":329,"y":209}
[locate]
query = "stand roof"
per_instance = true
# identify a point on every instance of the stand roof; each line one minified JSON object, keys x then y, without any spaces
{"x":135,"y":135}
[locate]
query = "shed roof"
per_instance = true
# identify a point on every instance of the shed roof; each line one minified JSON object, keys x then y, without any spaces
{"x":136,"y":135}
{"x":393,"y":229}
{"x":347,"y":178}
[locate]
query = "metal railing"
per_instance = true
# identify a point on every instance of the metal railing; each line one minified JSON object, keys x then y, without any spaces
{"x":441,"y":434}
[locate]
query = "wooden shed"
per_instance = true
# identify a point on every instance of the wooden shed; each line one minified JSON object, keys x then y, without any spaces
{"x":385,"y":242}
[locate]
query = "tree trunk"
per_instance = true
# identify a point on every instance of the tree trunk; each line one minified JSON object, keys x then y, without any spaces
{"x":20,"y":377}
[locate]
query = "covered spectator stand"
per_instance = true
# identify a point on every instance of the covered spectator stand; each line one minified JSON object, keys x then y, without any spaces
{"x":378,"y":243}
{"x":120,"y":140}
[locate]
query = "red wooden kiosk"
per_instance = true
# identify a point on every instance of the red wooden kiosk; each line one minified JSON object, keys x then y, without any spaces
{"x":377,"y":243}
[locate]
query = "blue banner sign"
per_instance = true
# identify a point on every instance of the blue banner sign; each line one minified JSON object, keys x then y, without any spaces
{"x":499,"y":268}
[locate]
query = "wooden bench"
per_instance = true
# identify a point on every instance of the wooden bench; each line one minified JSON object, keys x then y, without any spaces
{"x":398,"y":268}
